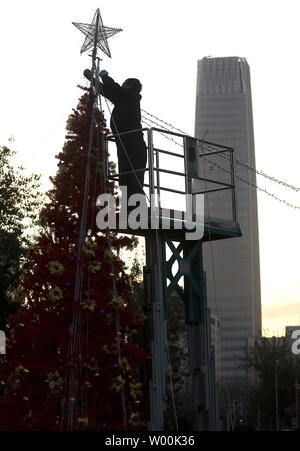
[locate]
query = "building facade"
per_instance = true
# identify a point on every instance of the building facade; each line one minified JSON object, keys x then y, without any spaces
{"x":224,"y":116}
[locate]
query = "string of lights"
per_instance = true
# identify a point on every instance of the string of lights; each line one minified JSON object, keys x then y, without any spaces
{"x":263,"y":190}
{"x":149,"y":122}
{"x":162,"y":121}
{"x":258,"y":172}
{"x":237,"y":160}
{"x":267,"y":176}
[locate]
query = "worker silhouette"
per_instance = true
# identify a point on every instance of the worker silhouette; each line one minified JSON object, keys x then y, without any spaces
{"x":126,"y":116}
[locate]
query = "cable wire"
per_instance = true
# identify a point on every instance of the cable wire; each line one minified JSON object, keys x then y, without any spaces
{"x":215,"y":297}
{"x":160,"y":275}
{"x":238,"y":161}
{"x":263,"y":190}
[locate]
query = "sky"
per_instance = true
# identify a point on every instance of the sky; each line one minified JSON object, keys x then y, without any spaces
{"x":160,"y":44}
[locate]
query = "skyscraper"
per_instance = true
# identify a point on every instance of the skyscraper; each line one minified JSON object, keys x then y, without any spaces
{"x":224,"y":116}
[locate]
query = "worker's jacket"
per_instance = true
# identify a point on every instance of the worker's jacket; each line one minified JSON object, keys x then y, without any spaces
{"x":126,"y":114}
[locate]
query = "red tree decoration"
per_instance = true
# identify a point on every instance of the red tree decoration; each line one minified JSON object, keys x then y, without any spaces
{"x":33,"y":372}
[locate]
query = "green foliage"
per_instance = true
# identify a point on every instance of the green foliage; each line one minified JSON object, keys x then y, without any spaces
{"x":135,"y":278}
{"x":20,"y":200}
{"x":181,"y":378}
{"x":262,"y":397}
{"x":178,"y":350}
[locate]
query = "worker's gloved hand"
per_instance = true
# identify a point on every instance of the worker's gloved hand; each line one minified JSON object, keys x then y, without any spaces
{"x":96,"y":83}
{"x":88,"y":74}
{"x":103,"y":73}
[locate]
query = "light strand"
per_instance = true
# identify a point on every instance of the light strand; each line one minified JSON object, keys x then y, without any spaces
{"x":237,"y":160}
{"x":146,"y":121}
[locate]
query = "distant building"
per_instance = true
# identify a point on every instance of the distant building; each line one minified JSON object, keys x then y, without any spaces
{"x":224,"y":116}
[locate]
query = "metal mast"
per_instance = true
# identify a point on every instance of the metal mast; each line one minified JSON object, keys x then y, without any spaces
{"x":96,"y":37}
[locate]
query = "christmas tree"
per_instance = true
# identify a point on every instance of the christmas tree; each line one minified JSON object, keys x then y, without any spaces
{"x":39,"y":371}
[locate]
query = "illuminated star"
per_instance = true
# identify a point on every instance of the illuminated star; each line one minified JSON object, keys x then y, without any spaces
{"x":96,"y":31}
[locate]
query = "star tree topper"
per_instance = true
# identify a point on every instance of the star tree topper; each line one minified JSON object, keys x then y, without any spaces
{"x":96,"y":31}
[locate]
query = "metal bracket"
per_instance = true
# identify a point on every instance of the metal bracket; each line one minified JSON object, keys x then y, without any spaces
{"x":190,"y":267}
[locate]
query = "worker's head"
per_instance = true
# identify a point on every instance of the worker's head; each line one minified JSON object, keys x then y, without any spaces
{"x":132,"y":83}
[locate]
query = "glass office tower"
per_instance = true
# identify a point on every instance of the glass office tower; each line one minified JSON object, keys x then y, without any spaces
{"x":224,"y":115}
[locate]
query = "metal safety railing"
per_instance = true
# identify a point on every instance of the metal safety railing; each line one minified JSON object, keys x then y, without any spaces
{"x":195,"y":158}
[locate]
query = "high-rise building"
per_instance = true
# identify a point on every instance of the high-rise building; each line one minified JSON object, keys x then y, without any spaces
{"x":224,"y":116}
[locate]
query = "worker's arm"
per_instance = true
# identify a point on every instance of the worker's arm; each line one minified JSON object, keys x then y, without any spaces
{"x":110,"y":88}
{"x":96,"y":83}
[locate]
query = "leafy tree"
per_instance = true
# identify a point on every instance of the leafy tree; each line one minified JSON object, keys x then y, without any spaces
{"x":262,"y":398}
{"x":178,"y":351}
{"x":20,"y":202}
{"x":136,"y":281}
{"x":181,"y":377}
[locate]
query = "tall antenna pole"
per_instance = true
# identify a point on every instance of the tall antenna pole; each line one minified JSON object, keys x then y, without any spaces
{"x":96,"y":36}
{"x":76,"y":317}
{"x":94,"y":54}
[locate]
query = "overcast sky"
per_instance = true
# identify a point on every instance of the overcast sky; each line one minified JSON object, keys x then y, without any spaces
{"x":160,"y":44}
